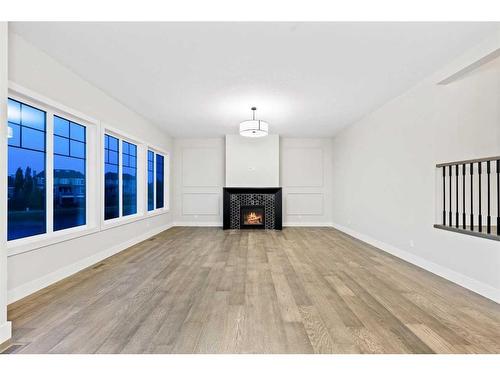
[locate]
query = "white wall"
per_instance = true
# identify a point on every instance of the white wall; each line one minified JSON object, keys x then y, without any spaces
{"x":31,"y":270}
{"x":198,"y":181}
{"x":5,"y":329}
{"x":252,"y":162}
{"x":305,"y":170}
{"x":384,"y":179}
{"x":305,"y":176}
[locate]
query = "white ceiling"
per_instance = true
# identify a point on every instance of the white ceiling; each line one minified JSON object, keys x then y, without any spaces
{"x":200,"y":79}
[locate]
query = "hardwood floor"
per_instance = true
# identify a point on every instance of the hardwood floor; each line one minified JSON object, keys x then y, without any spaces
{"x":302,"y":290}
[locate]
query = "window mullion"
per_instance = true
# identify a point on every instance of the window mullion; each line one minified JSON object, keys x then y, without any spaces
{"x":154,"y":181}
{"x":49,"y":171}
{"x":102,"y":176}
{"x":120,"y":177}
{"x":142,"y":195}
{"x":88,"y":178}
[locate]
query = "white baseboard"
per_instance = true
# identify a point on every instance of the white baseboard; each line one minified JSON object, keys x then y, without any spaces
{"x":467,"y":282}
{"x":219,"y":224}
{"x":197,"y":224}
{"x":288,"y":224}
{"x":44,"y":281}
{"x":5,"y":332}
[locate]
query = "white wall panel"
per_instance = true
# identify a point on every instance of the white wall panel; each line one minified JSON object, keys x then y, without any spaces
{"x":198,"y":181}
{"x":305,"y":168}
{"x":200,"y":204}
{"x":252,"y":162}
{"x":199,"y":168}
{"x":302,"y":167}
{"x":306,"y":180}
{"x":304,"y":204}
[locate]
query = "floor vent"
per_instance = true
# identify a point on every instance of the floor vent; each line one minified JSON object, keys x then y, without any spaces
{"x":12,"y":349}
{"x":98,"y":266}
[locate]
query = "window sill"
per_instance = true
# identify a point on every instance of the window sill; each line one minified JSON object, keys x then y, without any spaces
{"x":124,"y":220}
{"x":158,"y":211}
{"x":28,"y":244}
{"x":119,"y":221}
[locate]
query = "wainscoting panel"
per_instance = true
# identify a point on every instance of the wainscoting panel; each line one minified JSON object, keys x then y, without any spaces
{"x":200,"y":204}
{"x":305,"y":177}
{"x":198,"y":181}
{"x":305,"y":165}
{"x":199,"y":169}
{"x":302,"y":167}
{"x":304,"y":204}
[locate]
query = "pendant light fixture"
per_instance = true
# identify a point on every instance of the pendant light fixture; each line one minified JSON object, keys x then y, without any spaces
{"x":254,"y":128}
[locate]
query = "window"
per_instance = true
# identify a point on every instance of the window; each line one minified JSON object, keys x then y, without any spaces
{"x":129,"y":176}
{"x":151,"y":180}
{"x":26,"y":171}
{"x":159,"y":181}
{"x":156,"y":181}
{"x":111,"y":179}
{"x":120,"y":178}
{"x":50,"y":180}
{"x":69,"y":174}
{"x":47,"y":172}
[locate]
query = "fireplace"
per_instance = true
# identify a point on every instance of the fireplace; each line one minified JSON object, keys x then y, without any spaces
{"x":252,"y":217}
{"x":247,"y":208}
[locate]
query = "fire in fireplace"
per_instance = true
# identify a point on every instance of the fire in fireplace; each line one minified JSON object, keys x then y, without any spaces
{"x":252,"y":216}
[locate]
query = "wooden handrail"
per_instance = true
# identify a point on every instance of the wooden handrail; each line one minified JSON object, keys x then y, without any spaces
{"x":491,"y":158}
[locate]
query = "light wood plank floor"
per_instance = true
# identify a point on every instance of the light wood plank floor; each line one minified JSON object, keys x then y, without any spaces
{"x":302,"y":290}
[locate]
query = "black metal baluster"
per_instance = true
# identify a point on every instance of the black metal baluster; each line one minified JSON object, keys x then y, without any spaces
{"x":450,"y":214}
{"x":498,"y":197}
{"x":464,"y":226}
{"x":480,"y":217}
{"x":456,"y":196}
{"x":471,"y":196}
{"x":488,"y":218}
{"x":444,"y":195}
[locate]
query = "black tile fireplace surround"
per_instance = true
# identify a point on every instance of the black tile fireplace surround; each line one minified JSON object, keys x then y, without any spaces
{"x":236,"y":198}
